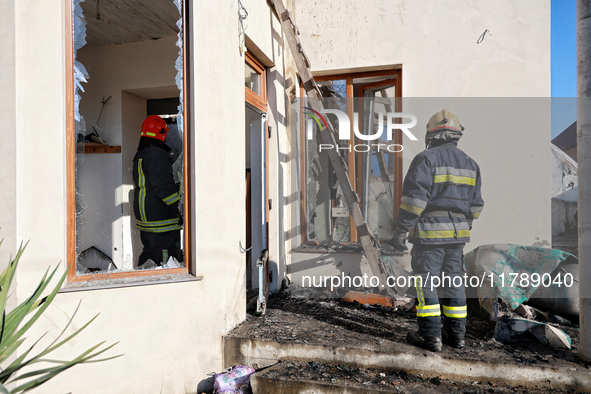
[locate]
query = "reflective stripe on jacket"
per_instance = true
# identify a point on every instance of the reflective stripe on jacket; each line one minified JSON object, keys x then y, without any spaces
{"x":441,"y":191}
{"x":156,"y":196}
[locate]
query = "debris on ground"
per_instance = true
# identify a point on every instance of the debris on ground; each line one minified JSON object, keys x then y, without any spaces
{"x":544,"y":332}
{"x":332,"y":322}
{"x":526,"y":311}
{"x":355,"y":247}
{"x":563,"y":296}
{"x":516,"y":274}
{"x":331,"y":246}
{"x":371,"y":299}
{"x":376,"y":380}
{"x":368,"y":298}
{"x":551,"y":336}
{"x":234,"y":380}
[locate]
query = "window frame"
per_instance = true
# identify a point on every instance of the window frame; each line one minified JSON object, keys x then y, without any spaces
{"x":259,"y":101}
{"x":354,"y":162}
{"x":72,"y":277}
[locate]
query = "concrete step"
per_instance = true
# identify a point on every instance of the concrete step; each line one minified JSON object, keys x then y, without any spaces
{"x":263,"y":384}
{"x":264,"y":352}
{"x":296,"y":377}
{"x":293,"y":377}
{"x":334,"y":333}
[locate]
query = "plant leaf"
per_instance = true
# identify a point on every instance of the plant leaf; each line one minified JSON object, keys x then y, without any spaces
{"x":15,"y":324}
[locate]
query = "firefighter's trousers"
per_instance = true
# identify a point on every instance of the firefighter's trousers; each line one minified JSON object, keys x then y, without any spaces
{"x":435,"y":267}
{"x":158,"y":247}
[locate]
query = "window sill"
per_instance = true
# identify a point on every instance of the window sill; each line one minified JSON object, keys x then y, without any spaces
{"x":318,"y":247}
{"x":104,"y":282}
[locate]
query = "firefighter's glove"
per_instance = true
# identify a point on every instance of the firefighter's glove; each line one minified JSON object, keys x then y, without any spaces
{"x":469,"y":223}
{"x":398,"y":241}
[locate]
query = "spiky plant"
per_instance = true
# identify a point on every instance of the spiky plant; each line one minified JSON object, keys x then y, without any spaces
{"x":18,"y":321}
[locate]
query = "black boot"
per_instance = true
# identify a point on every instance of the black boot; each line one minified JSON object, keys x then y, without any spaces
{"x":454,"y":331}
{"x":430,"y":343}
{"x":454,"y":340}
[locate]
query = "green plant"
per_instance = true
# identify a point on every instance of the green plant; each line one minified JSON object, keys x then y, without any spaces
{"x":16,"y":323}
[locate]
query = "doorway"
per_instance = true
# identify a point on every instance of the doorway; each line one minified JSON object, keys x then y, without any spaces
{"x":256,"y":191}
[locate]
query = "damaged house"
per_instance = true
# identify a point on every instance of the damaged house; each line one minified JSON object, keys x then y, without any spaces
{"x":78,"y":78}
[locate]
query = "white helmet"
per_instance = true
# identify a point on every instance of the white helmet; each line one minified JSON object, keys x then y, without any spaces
{"x":444,"y":126}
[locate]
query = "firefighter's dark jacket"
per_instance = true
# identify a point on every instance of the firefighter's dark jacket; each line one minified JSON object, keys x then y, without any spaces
{"x":441,"y":192}
{"x":156,"y":196}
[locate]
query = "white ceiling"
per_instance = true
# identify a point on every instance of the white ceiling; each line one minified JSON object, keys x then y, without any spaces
{"x":124,"y":21}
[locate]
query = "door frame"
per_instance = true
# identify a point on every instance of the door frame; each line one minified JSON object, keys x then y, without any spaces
{"x":258,"y":103}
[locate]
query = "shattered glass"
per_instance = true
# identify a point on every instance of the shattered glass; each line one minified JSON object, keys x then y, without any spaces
{"x":326,"y":209}
{"x":377,"y":189}
{"x":327,"y":216}
{"x":178,"y":165}
{"x":80,"y":76}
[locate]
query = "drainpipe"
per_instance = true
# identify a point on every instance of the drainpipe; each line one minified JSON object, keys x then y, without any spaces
{"x":584,"y":173}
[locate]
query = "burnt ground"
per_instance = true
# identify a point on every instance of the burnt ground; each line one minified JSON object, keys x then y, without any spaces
{"x":336,"y":323}
{"x":391,"y":381}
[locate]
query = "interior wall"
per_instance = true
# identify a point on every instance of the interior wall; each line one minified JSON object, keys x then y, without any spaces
{"x":133,"y":114}
{"x":105,"y":178}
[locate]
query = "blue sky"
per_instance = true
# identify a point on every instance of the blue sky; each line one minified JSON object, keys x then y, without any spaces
{"x":564,"y":64}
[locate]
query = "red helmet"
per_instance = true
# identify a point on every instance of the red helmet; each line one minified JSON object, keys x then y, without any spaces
{"x":154,"y":127}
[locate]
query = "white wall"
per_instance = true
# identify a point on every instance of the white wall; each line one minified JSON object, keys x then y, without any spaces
{"x":170,"y":334}
{"x":506,"y":137}
{"x":133,"y":114}
{"x":8,"y":132}
{"x":435,"y":42}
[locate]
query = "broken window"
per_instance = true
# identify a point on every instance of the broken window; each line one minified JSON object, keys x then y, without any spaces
{"x":374,"y":168}
{"x":128,"y":62}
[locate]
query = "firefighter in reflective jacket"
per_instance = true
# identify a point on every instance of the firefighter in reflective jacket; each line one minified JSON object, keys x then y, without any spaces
{"x":156,"y":196}
{"x":441,"y":197}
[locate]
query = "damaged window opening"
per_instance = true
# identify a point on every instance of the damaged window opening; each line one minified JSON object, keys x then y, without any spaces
{"x":128,"y":63}
{"x":374,"y":167}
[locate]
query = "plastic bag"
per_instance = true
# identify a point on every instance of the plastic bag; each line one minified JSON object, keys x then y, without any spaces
{"x":229,"y":382}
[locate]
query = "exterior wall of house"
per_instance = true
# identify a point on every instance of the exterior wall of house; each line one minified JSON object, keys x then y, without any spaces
{"x":436,"y":43}
{"x":169,"y":334}
{"x":442,"y":54}
{"x":8,"y":174}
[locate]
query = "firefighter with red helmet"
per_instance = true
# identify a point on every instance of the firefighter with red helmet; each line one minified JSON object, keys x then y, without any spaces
{"x":441,"y":198}
{"x":156,"y":195}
